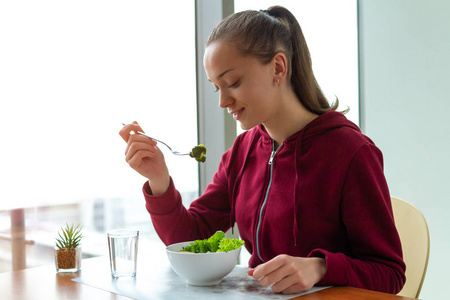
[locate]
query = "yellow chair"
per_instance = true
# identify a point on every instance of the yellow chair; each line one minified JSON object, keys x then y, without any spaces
{"x":413,"y":231}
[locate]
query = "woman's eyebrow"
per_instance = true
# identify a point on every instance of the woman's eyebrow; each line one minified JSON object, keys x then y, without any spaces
{"x":222,"y":74}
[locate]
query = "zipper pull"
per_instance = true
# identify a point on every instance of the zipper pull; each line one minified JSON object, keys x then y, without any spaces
{"x":271,"y":157}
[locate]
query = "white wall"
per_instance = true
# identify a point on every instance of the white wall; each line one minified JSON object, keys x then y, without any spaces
{"x":405,"y":89}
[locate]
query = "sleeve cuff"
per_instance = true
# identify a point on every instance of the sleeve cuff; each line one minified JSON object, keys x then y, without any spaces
{"x":336,"y":273}
{"x":164,"y":204}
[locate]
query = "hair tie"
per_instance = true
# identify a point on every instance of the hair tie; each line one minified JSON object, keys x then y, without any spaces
{"x":267,"y":12}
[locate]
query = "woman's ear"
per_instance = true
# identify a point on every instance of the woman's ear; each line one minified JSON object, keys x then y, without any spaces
{"x":280,"y":67}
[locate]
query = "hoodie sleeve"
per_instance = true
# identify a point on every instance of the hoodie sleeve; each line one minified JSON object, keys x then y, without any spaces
{"x":376,"y":262}
{"x":209,"y":213}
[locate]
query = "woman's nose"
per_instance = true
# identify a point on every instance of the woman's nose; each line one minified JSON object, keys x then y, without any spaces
{"x":224,"y":99}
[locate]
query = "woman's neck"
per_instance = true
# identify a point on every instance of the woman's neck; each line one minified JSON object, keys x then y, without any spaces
{"x":290,"y":117}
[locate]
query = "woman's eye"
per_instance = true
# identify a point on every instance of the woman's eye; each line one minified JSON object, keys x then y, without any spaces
{"x":234,"y":84}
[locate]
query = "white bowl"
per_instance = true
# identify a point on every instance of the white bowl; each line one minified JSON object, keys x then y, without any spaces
{"x":201,"y":269}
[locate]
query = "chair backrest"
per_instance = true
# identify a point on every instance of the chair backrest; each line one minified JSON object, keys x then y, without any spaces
{"x":413,"y":231}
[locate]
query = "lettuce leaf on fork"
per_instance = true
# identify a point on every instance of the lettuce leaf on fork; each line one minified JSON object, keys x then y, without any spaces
{"x":216,"y":243}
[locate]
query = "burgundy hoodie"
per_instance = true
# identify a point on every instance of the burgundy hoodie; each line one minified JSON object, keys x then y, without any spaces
{"x":322,"y":193}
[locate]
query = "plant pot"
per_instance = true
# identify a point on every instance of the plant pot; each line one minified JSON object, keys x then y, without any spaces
{"x":67,"y":260}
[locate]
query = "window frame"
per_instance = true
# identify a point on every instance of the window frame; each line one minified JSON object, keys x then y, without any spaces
{"x":216,"y":128}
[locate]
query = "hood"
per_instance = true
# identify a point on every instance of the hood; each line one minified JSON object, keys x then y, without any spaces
{"x":320,"y":125}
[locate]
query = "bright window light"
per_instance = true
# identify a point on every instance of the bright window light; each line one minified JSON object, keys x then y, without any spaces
{"x":71,"y":72}
{"x":330,"y":29}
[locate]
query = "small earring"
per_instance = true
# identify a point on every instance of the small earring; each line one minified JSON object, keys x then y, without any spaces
{"x":278,"y":81}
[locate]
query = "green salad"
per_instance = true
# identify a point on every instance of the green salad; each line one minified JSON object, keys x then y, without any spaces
{"x":216,"y":243}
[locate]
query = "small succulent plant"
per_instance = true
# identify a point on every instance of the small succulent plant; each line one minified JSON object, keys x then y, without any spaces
{"x":69,"y":237}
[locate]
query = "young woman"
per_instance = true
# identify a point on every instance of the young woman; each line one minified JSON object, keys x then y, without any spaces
{"x":304,"y":185}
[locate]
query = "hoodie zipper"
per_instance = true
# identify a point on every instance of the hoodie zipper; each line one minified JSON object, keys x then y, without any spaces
{"x":258,"y":228}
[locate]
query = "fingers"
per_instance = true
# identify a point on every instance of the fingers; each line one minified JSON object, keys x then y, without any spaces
{"x":126,"y":130}
{"x":272,"y":271}
{"x":138,"y":141}
{"x":136,"y":160}
{"x":283,"y":286}
{"x":139,"y":150}
{"x":287,"y":274}
{"x":290,"y":287}
{"x":268,"y":267}
{"x":293,"y":281}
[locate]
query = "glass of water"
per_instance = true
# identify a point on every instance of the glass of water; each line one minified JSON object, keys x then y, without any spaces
{"x":123,"y":248}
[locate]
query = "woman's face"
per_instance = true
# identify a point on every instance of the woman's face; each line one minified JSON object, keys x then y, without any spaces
{"x":247,"y":87}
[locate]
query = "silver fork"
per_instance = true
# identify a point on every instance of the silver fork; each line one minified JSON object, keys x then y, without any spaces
{"x":173,"y":151}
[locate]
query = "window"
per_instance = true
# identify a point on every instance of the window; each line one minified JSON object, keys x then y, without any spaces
{"x":330,"y":30}
{"x":70,"y":74}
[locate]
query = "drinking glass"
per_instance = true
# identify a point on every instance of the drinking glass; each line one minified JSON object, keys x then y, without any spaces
{"x":123,"y":248}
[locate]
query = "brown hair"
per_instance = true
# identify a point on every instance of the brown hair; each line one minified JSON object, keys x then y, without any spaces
{"x":265,"y":33}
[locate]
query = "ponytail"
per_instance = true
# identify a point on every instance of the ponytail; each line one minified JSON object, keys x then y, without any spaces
{"x":265,"y":33}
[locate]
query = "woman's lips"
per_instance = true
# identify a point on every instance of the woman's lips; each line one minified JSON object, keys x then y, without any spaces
{"x":237,"y":114}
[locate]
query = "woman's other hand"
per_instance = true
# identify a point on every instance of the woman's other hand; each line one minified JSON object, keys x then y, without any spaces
{"x":144,"y":156}
{"x":288,"y":274}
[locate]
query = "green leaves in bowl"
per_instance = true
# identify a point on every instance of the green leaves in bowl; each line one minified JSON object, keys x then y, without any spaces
{"x":216,"y":243}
